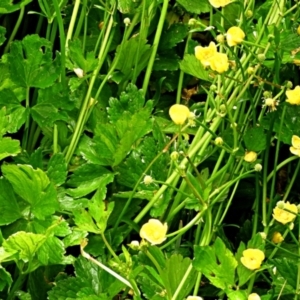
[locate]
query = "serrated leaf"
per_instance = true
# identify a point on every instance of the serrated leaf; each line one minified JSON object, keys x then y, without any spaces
{"x":176,"y":267}
{"x":16,"y":113}
{"x":75,"y":237}
{"x":75,"y":54}
{"x":24,"y":244}
{"x":166,"y":61}
{"x":195,"y":7}
{"x":217,"y":263}
{"x":30,"y":62}
{"x":9,"y":147}
{"x":5,"y":279}
{"x":8,"y":6}
{"x":255,"y":139}
{"x":127,"y":6}
{"x":52,"y":252}
{"x":9,"y":207}
{"x":173,"y":35}
{"x":91,"y":282}
{"x":86,"y":179}
{"x":2,"y":35}
{"x":192,"y":66}
{"x":237,"y":295}
{"x":57,"y":169}
{"x":34,"y":187}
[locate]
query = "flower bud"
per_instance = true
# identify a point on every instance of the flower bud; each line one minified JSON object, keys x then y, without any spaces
{"x":250,"y":156}
{"x":289,"y":84}
{"x":220,"y":38}
{"x":250,"y":70}
{"x":298,"y":30}
{"x":271,"y":37}
{"x":78,"y":72}
{"x":192,"y":22}
{"x":280,"y":204}
{"x":127,"y":21}
{"x":261,"y":57}
{"x":277,"y":238}
{"x":254,"y":296}
{"x":174,"y":155}
{"x":267,"y":94}
{"x":291,"y":226}
{"x":213,"y":88}
{"x":219,"y":141}
{"x":148,"y":180}
{"x":249,"y":14}
{"x":263,"y":235}
{"x":258,"y":167}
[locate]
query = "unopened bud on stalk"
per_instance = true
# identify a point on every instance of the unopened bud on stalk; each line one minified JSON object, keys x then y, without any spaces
{"x":220,"y":38}
{"x":127,"y":22}
{"x":298,"y":30}
{"x":263,"y":235}
{"x":289,"y":84}
{"x":213,"y":88}
{"x":267,"y":94}
{"x":250,"y":70}
{"x":219,"y":141}
{"x":148,"y":180}
{"x":261,"y":57}
{"x":280,"y":204}
{"x":174,"y":156}
{"x":271,"y":37}
{"x":192,"y":22}
{"x":258,"y":167}
{"x":249,"y":14}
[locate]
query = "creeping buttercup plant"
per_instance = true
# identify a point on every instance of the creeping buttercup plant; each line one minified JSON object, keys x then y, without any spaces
{"x":149,"y":150}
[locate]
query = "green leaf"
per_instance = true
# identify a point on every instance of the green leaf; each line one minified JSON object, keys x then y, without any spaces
{"x":25,"y":245}
{"x":86,"y":179}
{"x":95,"y":219}
{"x":134,"y":53}
{"x":217,"y":263}
{"x":9,"y":147}
{"x":2,"y":35}
{"x":15,"y":112}
{"x":195,"y":7}
{"x":167,"y":60}
{"x":57,"y":169}
{"x":75,"y":237}
{"x":52,"y":252}
{"x":237,"y":295}
{"x":90,"y":283}
{"x":255,"y":139}
{"x":288,"y":269}
{"x":192,"y":66}
{"x":8,"y":6}
{"x":127,"y":6}
{"x":5,"y":279}
{"x":87,"y":64}
{"x":30,"y":62}
{"x":176,"y":267}
{"x":9,"y":207}
{"x":173,"y":35}
{"x":34,"y":187}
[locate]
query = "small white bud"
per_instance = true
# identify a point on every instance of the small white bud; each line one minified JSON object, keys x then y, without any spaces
{"x":258,"y":167}
{"x":148,"y":180}
{"x":78,"y":72}
{"x":127,"y":21}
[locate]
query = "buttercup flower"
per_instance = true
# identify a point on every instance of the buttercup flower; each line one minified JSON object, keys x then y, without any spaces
{"x":219,"y":3}
{"x":219,"y":62}
{"x":179,"y":113}
{"x":194,"y":298}
{"x":154,"y":231}
{"x":295,"y":149}
{"x":234,"y":36}
{"x":271,"y":104}
{"x":204,"y":54}
{"x":277,"y":237}
{"x":253,"y":296}
{"x":293,"y":96}
{"x":250,"y":156}
{"x":252,"y":258}
{"x":283,"y":216}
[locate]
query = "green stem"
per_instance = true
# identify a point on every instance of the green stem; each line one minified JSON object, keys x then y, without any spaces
{"x":298,"y":274}
{"x":72,"y":22}
{"x":16,"y":286}
{"x":16,"y":28}
{"x":62,"y":39}
{"x":155,"y":45}
{"x":55,"y":139}
{"x":112,"y":252}
{"x":287,"y":192}
{"x":182,"y":282}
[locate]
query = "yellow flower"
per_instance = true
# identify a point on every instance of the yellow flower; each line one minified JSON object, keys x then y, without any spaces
{"x":219,"y":62}
{"x":194,"y":298}
{"x":204,"y":54}
{"x":235,"y":36}
{"x":219,"y":3}
{"x":154,"y":231}
{"x":293,"y":96}
{"x":253,"y":296}
{"x":295,"y":149}
{"x":277,"y":237}
{"x":250,"y":156}
{"x":283,"y":216}
{"x":252,"y":258}
{"x":179,"y":113}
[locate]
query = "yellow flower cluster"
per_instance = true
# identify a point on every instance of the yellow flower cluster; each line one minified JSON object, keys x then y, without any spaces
{"x":252,"y":258}
{"x":295,"y":149}
{"x":210,"y":57}
{"x":154,"y":231}
{"x":282,"y":215}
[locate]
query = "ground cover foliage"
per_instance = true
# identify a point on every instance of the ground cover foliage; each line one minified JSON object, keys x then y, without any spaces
{"x":149,"y":149}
